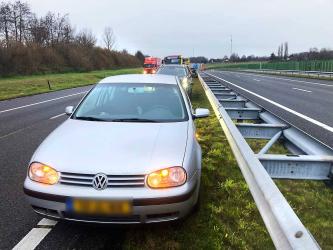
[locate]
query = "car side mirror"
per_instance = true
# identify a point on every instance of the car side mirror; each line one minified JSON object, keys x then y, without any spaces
{"x":201,"y":113}
{"x":69,"y":110}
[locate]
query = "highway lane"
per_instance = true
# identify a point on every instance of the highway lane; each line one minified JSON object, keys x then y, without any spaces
{"x":24,"y":123}
{"x":284,"y":78}
{"x":20,"y":113}
{"x":311,"y":100}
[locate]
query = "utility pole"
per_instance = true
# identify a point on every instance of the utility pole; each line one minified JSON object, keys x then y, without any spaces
{"x":230,"y":45}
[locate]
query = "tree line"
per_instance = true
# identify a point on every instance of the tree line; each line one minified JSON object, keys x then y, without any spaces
{"x":30,"y":44}
{"x":281,"y":55}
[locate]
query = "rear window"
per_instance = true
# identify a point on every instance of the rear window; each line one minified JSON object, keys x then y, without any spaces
{"x":175,"y":71}
{"x":149,"y":65}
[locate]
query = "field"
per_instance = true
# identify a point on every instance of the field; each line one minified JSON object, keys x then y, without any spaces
{"x":324,"y":66}
{"x":12,"y":87}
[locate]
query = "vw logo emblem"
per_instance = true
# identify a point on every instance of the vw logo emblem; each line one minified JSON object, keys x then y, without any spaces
{"x":100,"y":181}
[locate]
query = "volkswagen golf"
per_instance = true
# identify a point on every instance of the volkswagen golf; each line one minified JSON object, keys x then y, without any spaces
{"x":127,"y":154}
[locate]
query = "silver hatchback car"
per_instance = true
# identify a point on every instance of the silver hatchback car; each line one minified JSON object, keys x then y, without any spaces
{"x":127,"y":154}
{"x":181,"y":71}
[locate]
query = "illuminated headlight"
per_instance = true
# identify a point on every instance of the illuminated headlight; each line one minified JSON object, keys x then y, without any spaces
{"x":154,"y":71}
{"x":144,"y":72}
{"x":42,"y":173}
{"x":168,"y":177}
{"x":185,"y":83}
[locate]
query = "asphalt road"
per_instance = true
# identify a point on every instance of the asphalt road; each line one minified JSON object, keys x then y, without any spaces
{"x":307,"y":103}
{"x":24,"y":123}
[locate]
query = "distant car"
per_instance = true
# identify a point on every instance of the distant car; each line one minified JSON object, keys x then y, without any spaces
{"x":194,"y":72}
{"x":181,"y":71}
{"x":175,"y":59}
{"x":195,"y":67}
{"x":127,"y":154}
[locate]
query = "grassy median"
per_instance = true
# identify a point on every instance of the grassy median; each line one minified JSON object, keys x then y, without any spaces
{"x":227,"y":218}
{"x":11,"y":87}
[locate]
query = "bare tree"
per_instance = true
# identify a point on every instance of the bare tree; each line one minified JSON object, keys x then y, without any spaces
{"x":5,"y":20}
{"x":140,"y":56}
{"x":286,"y":50}
{"x":21,"y":15}
{"x":86,"y":38}
{"x":109,"y":38}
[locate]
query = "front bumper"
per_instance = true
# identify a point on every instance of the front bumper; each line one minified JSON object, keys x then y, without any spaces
{"x":150,"y":71}
{"x":145,"y":209}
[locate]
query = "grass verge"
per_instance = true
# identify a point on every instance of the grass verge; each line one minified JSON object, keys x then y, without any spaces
{"x":227,"y":218}
{"x":312,"y":201}
{"x":18,"y":86}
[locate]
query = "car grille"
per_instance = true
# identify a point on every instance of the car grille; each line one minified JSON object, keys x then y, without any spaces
{"x":114,"y":181}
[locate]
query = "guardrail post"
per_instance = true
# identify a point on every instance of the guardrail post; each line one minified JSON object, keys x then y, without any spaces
{"x":49,"y":84}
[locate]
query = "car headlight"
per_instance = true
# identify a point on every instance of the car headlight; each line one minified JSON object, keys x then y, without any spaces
{"x":168,"y":177}
{"x":185,"y":83}
{"x":42,"y":173}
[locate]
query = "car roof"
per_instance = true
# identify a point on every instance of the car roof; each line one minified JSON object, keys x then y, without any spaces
{"x":174,"y":65}
{"x":141,"y":78}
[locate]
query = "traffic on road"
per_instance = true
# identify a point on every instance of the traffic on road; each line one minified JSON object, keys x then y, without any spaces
{"x":166,"y":125}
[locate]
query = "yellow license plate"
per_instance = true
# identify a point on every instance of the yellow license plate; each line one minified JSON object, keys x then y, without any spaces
{"x":101,"y":207}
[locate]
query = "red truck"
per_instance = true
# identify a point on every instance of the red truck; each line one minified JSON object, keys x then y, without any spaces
{"x":151,"y":65}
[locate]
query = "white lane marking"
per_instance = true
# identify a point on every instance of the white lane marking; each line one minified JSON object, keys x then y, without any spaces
{"x":32,"y":239}
{"x":47,"y":222}
{"x":22,"y":129}
{"x":304,"y":90}
{"x":257,"y":80}
{"x":318,"y":123}
{"x":36,"y":235}
{"x":56,"y":116}
{"x":12,"y":133}
{"x":37,"y":103}
{"x":285,"y":79}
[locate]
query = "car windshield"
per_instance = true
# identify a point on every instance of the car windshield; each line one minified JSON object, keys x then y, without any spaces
{"x":175,"y":71}
{"x":133,"y":102}
{"x":149,"y":65}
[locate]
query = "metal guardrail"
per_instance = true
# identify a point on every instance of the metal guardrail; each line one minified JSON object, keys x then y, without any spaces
{"x":283,"y":225}
{"x":318,"y":74}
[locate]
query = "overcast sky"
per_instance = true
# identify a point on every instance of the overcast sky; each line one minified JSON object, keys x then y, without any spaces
{"x":203,"y":27}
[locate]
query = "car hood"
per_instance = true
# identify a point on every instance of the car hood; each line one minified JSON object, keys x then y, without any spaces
{"x":113,"y":147}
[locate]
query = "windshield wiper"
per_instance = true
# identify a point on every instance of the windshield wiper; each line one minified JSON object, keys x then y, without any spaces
{"x":89,"y":118}
{"x":132,"y":120}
